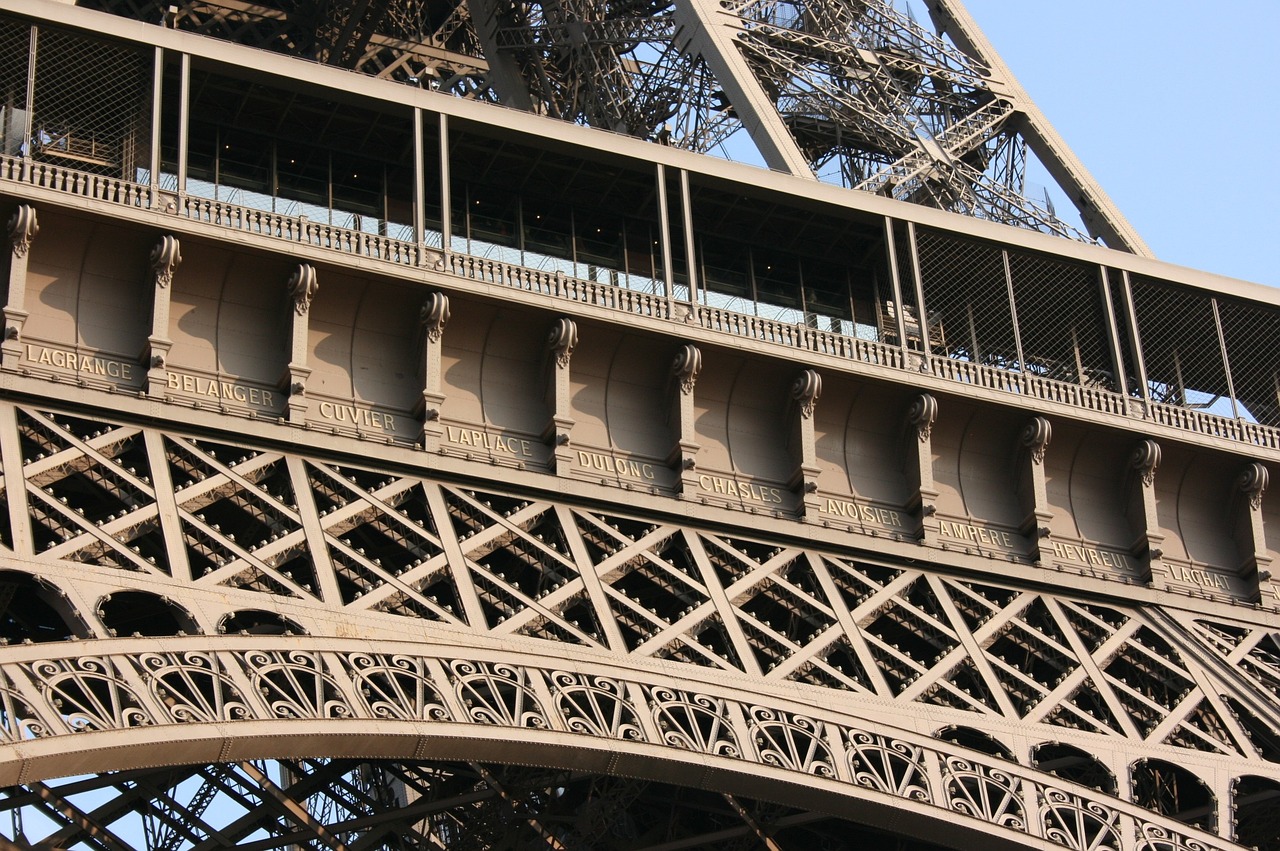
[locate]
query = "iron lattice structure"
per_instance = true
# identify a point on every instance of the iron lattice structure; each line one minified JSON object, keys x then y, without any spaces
{"x":856,"y":92}
{"x":382,"y":467}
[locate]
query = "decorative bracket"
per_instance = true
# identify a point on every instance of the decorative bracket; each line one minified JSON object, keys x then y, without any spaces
{"x":23,"y":229}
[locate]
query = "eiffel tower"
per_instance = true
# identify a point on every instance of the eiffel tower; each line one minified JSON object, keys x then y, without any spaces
{"x":608,"y":424}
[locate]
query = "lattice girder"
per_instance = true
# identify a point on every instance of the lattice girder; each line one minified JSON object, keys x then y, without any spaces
{"x":774,"y":628}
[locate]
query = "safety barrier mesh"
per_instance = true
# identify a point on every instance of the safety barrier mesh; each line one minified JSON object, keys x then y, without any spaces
{"x":1180,"y":347}
{"x":967,"y":300}
{"x":1249,"y":331}
{"x":15,"y":41}
{"x":1061,"y":320}
{"x":92,"y":105}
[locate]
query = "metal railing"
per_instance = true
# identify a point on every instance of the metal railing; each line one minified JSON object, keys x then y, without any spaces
{"x":20,"y":172}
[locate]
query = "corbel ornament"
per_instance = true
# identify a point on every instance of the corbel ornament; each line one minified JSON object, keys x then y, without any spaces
{"x":303,"y":287}
{"x":23,"y":228}
{"x":165,"y":259}
{"x":562,"y":339}
{"x":922,"y":414}
{"x":1146,"y":458}
{"x":806,"y":390}
{"x":1253,"y":481}
{"x":1036,"y":436}
{"x":686,"y":366}
{"x":434,"y":315}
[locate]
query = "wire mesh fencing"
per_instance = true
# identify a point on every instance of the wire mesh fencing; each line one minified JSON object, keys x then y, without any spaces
{"x":91,"y":109}
{"x":1062,"y":321}
{"x":1180,"y":347}
{"x":1249,"y":333}
{"x":966,"y":297}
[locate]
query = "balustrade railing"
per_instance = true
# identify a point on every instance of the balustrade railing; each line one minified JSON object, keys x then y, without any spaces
{"x":346,"y":241}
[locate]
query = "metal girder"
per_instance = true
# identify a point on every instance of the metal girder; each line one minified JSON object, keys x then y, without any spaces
{"x":711,"y":32}
{"x":1101,"y":216}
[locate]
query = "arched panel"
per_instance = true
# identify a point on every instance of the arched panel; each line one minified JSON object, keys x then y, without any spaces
{"x":114,"y":309}
{"x":329,"y":336}
{"x":636,"y":406}
{"x":194,"y":306}
{"x":253,"y":336}
{"x":54,"y":270}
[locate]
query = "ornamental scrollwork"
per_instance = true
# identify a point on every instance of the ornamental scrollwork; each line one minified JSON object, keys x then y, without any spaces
{"x":1145,"y":460}
{"x":1079,"y":824}
{"x":89,"y":694}
{"x":1036,"y":435}
{"x":922,"y":414}
{"x":166,"y":257}
{"x":496,"y":693}
{"x":790,"y":741}
{"x":694,"y":722}
{"x":192,"y":687}
{"x":303,"y":287}
{"x":294,"y":684}
{"x":562,"y":339}
{"x":888,"y":765}
{"x":1154,"y":837}
{"x":18,"y":722}
{"x":806,"y":390}
{"x":984,"y":792}
{"x":23,"y":228}
{"x":595,"y":706}
{"x":686,"y":366}
{"x":1253,"y":482}
{"x":396,"y":686}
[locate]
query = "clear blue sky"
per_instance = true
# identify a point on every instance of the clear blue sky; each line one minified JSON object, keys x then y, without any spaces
{"x":1171,"y":105}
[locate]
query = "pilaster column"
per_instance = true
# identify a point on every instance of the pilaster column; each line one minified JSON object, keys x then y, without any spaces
{"x":805,"y":391}
{"x":558,"y":431}
{"x":683,"y":457}
{"x":166,"y":256}
{"x":23,"y":228}
{"x":1247,"y":510}
{"x":1141,"y":507}
{"x":302,"y":288}
{"x":1033,"y":494}
{"x":917,"y":462}
{"x":431,"y":321}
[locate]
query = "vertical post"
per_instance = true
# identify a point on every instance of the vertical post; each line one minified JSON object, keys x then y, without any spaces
{"x":431,"y":321}
{"x":1013,"y":311}
{"x":558,"y":431}
{"x":691,"y":259}
{"x":302,"y":288}
{"x":898,"y":316}
{"x":166,"y":256}
{"x":419,"y":185}
{"x":683,"y":457}
{"x":184,"y":122}
{"x":1135,"y":336}
{"x":157,"y":84}
{"x":806,"y":389}
{"x":446,"y":190}
{"x":22,"y":230}
{"x":1226,"y":362}
{"x":664,"y":233}
{"x":30,"y":104}
{"x":1113,"y":333}
{"x":918,"y":279}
